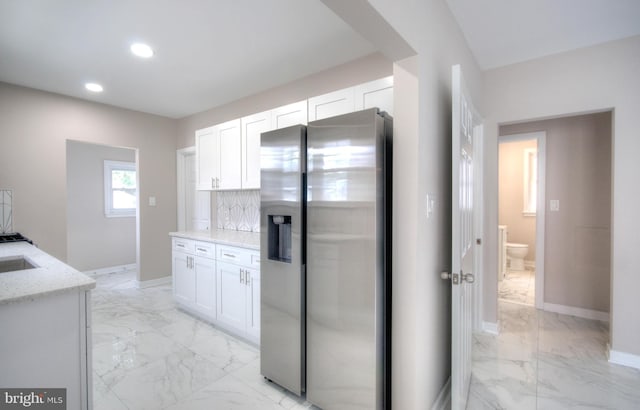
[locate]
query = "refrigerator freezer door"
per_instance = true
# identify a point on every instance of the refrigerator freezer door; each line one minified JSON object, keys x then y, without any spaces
{"x":282,"y":162}
{"x":345,"y":262}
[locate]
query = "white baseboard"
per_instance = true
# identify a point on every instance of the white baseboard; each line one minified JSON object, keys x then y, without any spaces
{"x":153,"y":282}
{"x":111,"y":269}
{"x":530,"y":265}
{"x":623,"y":358}
{"x":579,"y":312}
{"x":443,"y":401}
{"x":491,"y":327}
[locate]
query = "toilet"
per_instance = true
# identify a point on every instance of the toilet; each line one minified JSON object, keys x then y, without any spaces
{"x":515,"y":255}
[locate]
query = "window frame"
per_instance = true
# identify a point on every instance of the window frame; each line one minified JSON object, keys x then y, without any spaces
{"x":109,"y":210}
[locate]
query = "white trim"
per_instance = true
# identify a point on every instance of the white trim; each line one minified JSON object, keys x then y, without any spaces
{"x":540,"y":219}
{"x":180,"y":162}
{"x":153,"y":282}
{"x":443,"y":401}
{"x":111,"y":269}
{"x":623,"y":358}
{"x":576,"y":311}
{"x":491,"y":327}
{"x":478,"y":211}
{"x":531,"y":265}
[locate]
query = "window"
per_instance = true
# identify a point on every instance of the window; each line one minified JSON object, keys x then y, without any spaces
{"x":120,"y":189}
{"x":530,"y":181}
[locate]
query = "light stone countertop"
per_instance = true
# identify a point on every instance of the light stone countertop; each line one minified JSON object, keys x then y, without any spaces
{"x":50,"y":277}
{"x":249,"y":240}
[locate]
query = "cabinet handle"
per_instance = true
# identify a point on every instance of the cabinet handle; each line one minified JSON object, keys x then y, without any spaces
{"x":179,"y":245}
{"x":202,"y":249}
{"x":248,"y":278}
{"x":241,"y":272}
{"x":217,"y":182}
{"x":228,"y":255}
{"x":213,"y":183}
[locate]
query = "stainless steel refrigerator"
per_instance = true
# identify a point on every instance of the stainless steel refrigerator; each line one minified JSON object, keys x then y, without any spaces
{"x":325,"y":260}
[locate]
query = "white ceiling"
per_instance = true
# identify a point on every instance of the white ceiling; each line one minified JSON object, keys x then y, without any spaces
{"x":502,"y":32}
{"x":207,"y":52}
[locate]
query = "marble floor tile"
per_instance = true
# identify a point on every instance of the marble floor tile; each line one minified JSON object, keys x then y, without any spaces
{"x":545,"y":360}
{"x":518,"y":287}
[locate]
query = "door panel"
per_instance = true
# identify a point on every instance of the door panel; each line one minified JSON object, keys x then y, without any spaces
{"x":205,"y":296}
{"x":252,"y":127}
{"x":229,"y":152}
{"x":230,"y":296}
{"x":464,"y":120}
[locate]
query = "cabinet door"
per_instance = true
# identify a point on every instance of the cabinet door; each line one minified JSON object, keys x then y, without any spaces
{"x":231,"y":299}
{"x":331,"y":104}
{"x":252,"y":127}
{"x":184,"y":282}
{"x":228,"y":160}
{"x":206,"y":158}
{"x":378,"y":93}
{"x":253,"y":304}
{"x":288,"y":115}
{"x":205,"y":292}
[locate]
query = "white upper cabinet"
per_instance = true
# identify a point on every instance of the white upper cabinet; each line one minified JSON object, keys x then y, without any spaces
{"x":229,"y":144}
{"x":378,"y":93}
{"x":218,"y":156}
{"x":228,"y":154}
{"x":288,"y":115}
{"x":206,"y":158}
{"x":331,"y":104}
{"x":252,"y":127}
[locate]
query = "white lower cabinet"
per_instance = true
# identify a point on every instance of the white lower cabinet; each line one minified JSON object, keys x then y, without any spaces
{"x":220,"y":284}
{"x":239,"y":295}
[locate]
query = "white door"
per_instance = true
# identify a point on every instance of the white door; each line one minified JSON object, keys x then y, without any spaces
{"x":231,"y":295}
{"x":205,"y":296}
{"x":252,"y":127}
{"x":378,"y":93}
{"x":462,"y":233}
{"x":229,"y":152}
{"x":288,"y":115}
{"x":332,"y":104}
{"x":206,"y":158}
{"x":253,"y":303}
{"x":184,"y":281}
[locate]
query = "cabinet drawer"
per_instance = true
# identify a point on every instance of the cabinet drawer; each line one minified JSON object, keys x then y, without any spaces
{"x":183,"y":245}
{"x":206,"y":249}
{"x":239,"y":256}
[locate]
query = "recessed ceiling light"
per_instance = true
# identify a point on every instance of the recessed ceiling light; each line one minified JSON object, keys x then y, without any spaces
{"x":141,"y":50}
{"x":93,"y":87}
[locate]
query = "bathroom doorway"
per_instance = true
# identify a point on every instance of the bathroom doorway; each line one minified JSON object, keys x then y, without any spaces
{"x":521,"y":218}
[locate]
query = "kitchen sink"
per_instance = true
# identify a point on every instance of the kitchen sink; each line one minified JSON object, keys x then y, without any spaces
{"x":14,"y":263}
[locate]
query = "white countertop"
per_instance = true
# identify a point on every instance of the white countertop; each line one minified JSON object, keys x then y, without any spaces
{"x":250,"y":240}
{"x":50,"y":277}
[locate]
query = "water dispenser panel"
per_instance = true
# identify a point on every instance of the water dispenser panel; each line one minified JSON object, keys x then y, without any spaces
{"x":279,"y":227}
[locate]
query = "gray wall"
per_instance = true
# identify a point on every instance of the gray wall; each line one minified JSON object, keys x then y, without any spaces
{"x":578,"y":237}
{"x":93,"y":240}
{"x":520,"y":228}
{"x":422,"y":164}
{"x":581,"y":81}
{"x":34,"y":128}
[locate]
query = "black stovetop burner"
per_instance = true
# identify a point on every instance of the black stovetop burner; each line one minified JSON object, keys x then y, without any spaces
{"x":14,"y":237}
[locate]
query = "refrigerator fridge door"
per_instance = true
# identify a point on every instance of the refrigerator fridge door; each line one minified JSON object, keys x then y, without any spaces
{"x":282,"y":162}
{"x":346,"y":281}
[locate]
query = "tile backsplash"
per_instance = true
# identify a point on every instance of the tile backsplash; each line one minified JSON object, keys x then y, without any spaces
{"x":239,"y":210}
{"x":6,"y":211}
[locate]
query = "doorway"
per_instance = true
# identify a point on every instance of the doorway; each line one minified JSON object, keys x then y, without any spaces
{"x":102,"y":207}
{"x":521,"y":183}
{"x":194,"y":207}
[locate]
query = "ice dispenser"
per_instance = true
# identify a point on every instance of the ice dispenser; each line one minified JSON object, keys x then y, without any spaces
{"x":280,"y":238}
